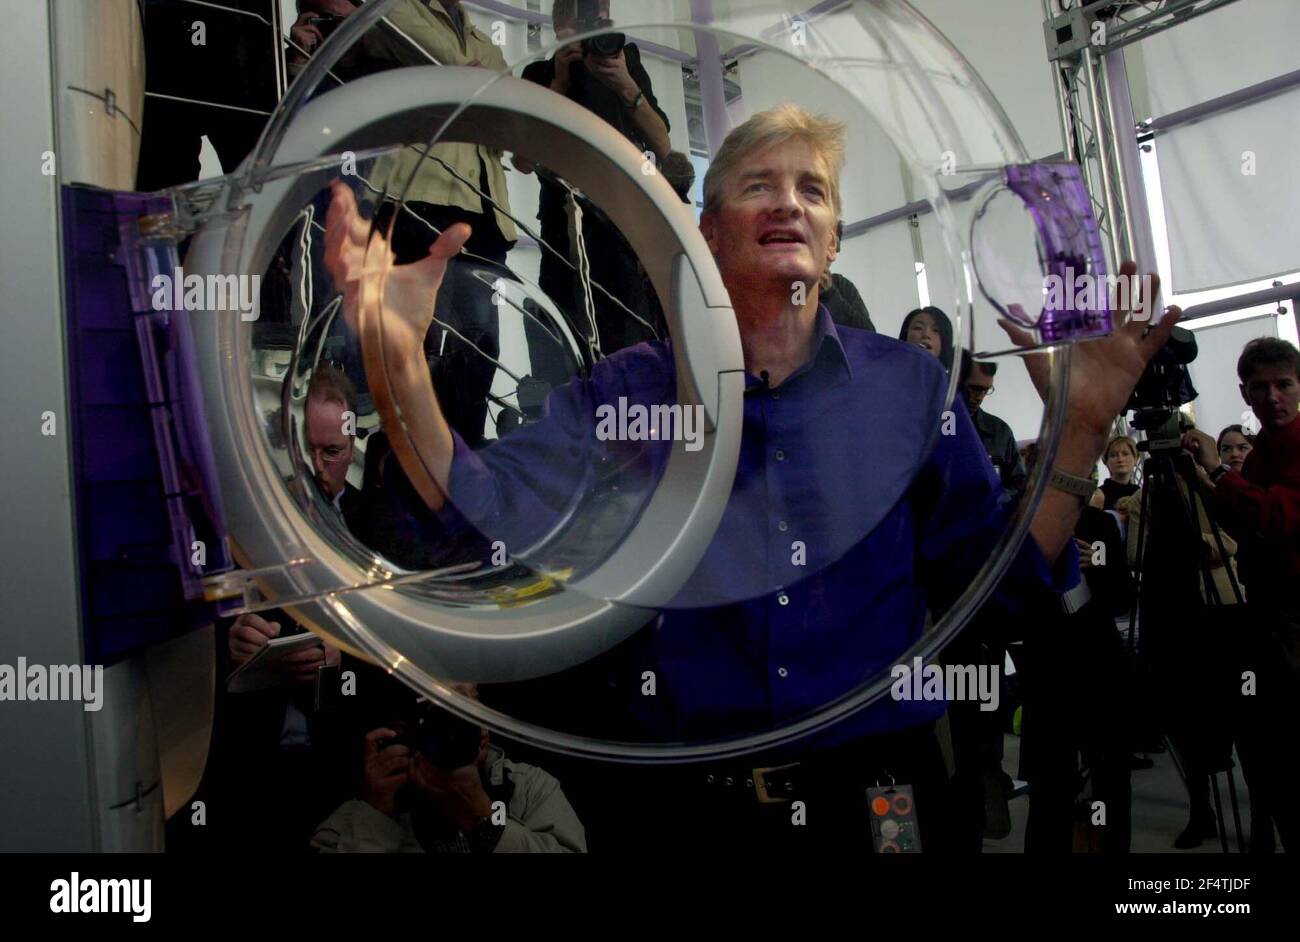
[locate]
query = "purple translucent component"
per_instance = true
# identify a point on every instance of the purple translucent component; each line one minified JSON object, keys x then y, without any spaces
{"x":145,"y":476}
{"x":1056,"y":197}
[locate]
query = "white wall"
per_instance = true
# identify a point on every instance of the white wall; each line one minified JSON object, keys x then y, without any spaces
{"x":1231,"y":193}
{"x":1003,"y":40}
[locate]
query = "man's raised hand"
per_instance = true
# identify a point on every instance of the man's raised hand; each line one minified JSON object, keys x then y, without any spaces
{"x":399,"y":297}
{"x":1103,"y":372}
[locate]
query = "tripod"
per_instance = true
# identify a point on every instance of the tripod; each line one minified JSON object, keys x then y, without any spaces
{"x":1170,"y":492}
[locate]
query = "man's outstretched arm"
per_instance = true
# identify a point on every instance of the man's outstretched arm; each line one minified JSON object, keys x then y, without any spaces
{"x":394,"y":304}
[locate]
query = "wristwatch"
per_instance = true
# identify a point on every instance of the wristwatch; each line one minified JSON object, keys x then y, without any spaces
{"x":1217,"y":474}
{"x":1082,"y":488}
{"x":636,"y":102}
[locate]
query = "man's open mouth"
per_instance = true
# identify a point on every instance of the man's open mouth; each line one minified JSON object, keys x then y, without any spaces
{"x":779,"y":237}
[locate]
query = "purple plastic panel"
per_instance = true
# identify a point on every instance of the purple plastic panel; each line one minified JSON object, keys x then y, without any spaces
{"x":1062,"y":210}
{"x":146,"y":485}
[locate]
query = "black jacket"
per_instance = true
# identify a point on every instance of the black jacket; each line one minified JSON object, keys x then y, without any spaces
{"x":1000,"y":443}
{"x":846,"y":305}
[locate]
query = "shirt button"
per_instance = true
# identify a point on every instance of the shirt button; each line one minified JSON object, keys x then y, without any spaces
{"x":776,"y":395}
{"x":783,"y":526}
{"x":780,"y":455}
{"x":782,"y":672}
{"x":783,"y":599}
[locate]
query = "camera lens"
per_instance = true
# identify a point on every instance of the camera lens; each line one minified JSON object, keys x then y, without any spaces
{"x":609,"y":44}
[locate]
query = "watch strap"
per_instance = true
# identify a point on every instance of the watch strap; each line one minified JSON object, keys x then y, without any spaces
{"x":1072,"y":484}
{"x":636,"y":102}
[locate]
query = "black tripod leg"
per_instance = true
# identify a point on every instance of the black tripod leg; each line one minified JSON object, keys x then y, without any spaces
{"x":1236,"y":809}
{"x":1218,"y":810}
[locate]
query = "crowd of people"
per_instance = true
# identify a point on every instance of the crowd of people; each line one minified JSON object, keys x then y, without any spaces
{"x":897,"y":516}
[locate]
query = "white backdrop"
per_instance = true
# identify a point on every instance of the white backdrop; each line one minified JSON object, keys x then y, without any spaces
{"x":1231,"y":191}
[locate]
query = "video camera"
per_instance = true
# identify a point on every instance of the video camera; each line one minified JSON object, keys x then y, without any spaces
{"x":1164,"y":386}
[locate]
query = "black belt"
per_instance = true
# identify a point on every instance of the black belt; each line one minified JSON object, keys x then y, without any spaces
{"x":777,"y":784}
{"x":782,"y":783}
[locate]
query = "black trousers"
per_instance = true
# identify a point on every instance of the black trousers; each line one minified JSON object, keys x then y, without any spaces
{"x":1071,"y":675}
{"x":976,"y":734}
{"x":233,"y":65}
{"x":614,"y":267}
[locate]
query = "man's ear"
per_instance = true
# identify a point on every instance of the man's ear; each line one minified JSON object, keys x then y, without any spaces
{"x":1244,"y":398}
{"x":709,"y":230}
{"x":833,"y":248}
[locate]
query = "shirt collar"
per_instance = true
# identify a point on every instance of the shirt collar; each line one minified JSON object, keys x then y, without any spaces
{"x":828,"y":354}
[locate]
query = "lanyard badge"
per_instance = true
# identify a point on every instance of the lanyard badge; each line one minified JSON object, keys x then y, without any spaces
{"x":894,"y":828}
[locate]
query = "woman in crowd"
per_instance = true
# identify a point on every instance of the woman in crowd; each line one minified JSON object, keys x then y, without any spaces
{"x":1121,"y":457}
{"x":930,"y":329}
{"x":1234,"y":445}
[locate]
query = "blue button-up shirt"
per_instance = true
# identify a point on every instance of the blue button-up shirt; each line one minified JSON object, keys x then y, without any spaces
{"x":859,"y":502}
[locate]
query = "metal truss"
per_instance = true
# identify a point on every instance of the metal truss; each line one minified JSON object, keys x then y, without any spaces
{"x":1084,"y":49}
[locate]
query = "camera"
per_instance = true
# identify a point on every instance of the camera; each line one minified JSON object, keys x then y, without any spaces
{"x":606,"y":45}
{"x":1165,"y":385}
{"x":326,"y":23}
{"x":443,"y":738}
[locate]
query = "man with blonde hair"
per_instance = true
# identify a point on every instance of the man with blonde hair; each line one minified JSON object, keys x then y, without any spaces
{"x":841,"y":461}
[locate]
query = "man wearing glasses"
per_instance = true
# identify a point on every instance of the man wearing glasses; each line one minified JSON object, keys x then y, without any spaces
{"x":999,"y":442}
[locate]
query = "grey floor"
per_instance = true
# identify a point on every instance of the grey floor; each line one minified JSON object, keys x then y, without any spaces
{"x":1159,"y":809}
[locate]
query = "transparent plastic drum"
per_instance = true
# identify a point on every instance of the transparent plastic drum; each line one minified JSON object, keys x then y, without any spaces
{"x":520,"y":407}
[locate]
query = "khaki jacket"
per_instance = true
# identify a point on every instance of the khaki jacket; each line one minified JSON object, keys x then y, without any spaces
{"x":428,"y":24}
{"x":539,"y":820}
{"x":1132,"y":506}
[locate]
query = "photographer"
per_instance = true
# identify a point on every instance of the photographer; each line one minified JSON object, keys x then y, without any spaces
{"x":1260,"y":506}
{"x":434,"y":787}
{"x":603,"y":74}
